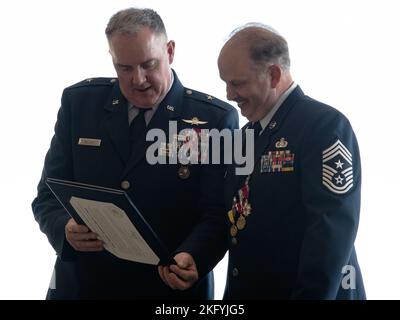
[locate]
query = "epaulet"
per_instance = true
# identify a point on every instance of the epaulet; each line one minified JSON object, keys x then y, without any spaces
{"x":95,"y":82}
{"x":200,"y":96}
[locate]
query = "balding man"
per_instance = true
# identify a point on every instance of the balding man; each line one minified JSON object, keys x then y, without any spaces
{"x":294,"y":219}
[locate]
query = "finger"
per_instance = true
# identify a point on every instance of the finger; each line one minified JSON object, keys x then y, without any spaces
{"x":89,"y":246}
{"x":168,"y":275}
{"x":185,"y":274}
{"x":77,"y":228}
{"x":183,"y":263}
{"x":161,"y":272}
{"x":176,"y":283}
{"x":83,"y":236}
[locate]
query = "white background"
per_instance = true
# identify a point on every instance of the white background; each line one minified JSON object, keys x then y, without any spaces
{"x":344,"y":53}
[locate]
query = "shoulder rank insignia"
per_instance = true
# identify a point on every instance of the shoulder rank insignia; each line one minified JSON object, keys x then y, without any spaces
{"x":337,"y":168}
{"x":195,"y":121}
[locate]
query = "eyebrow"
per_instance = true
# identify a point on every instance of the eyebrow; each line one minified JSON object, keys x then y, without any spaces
{"x":128,"y":65}
{"x":123,"y":65}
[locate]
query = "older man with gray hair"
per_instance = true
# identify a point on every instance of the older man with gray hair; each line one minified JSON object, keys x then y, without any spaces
{"x":293,"y":220}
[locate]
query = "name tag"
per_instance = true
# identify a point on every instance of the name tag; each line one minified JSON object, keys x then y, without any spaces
{"x":89,"y":142}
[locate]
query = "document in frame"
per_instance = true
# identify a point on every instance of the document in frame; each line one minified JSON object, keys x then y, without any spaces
{"x":111,"y":214}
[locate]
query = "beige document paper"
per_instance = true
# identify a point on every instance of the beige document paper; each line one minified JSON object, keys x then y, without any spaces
{"x":113,"y":226}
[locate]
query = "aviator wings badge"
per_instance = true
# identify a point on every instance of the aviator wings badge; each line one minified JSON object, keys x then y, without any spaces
{"x":195,"y":121}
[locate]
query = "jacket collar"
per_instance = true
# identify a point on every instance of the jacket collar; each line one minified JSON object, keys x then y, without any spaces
{"x":274,"y":125}
{"x":169,"y":109}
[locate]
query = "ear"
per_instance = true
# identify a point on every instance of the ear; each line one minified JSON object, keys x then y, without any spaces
{"x":171,"y":51}
{"x":276,"y":73}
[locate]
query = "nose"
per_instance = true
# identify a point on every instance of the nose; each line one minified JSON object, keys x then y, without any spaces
{"x":138,"y":77}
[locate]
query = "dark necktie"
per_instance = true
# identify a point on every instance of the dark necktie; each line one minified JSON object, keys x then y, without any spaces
{"x":257,"y":129}
{"x":137,"y":130}
{"x":256,"y":126}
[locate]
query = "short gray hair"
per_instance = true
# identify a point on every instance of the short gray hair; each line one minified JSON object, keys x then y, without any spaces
{"x":131,"y":20}
{"x":266,"y":46}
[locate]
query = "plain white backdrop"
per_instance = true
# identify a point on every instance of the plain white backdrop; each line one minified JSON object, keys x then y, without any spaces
{"x":344,"y":53}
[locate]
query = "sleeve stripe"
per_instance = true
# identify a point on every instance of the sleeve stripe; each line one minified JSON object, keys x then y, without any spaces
{"x":337,"y":191}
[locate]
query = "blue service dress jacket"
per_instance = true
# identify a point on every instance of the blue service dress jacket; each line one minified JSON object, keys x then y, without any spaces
{"x":186,"y":210}
{"x":297,"y":240}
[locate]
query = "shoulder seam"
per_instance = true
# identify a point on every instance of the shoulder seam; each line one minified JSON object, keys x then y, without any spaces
{"x":89,"y":82}
{"x":207,"y":98}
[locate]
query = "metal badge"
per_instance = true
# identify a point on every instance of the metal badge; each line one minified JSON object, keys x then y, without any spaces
{"x":195,"y":121}
{"x":282,"y":143}
{"x":246,"y":208}
{"x":233,"y":230}
{"x":272,"y":125}
{"x":231,"y":216}
{"x":89,"y":142}
{"x":184,"y":172}
{"x":241,"y":222}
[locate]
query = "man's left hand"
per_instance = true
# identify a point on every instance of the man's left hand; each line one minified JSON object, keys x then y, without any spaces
{"x":181,"y":276}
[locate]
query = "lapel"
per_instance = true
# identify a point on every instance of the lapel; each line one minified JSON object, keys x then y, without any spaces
{"x":116,"y":122}
{"x":169,"y":109}
{"x":275,"y":124}
{"x":238,"y":179}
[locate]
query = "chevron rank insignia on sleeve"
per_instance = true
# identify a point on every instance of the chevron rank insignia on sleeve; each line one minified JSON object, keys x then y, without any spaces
{"x":337,"y":168}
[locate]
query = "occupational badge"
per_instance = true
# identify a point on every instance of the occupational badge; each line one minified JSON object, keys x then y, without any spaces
{"x":195,"y":121}
{"x":282,"y":143}
{"x":337,"y":168}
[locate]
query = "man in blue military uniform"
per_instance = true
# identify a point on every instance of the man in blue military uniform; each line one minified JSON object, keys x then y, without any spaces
{"x":293,"y":220}
{"x":100,"y":140}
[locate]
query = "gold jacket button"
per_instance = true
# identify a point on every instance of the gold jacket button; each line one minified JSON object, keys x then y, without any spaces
{"x":125,"y":185}
{"x":235,"y":272}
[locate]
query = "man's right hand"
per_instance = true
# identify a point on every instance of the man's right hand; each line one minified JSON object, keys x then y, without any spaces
{"x":81,"y":238}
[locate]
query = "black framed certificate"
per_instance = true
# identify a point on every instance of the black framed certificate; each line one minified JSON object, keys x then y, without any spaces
{"x":112,"y":215}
